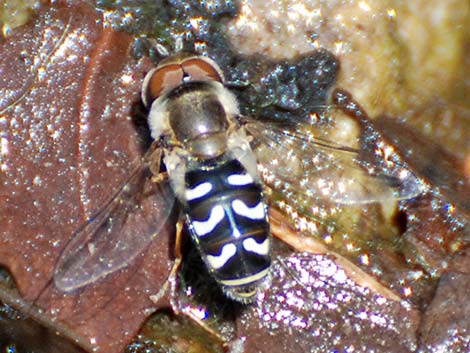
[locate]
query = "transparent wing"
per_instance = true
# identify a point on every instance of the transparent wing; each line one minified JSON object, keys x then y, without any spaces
{"x":296,"y":160}
{"x":121,"y":230}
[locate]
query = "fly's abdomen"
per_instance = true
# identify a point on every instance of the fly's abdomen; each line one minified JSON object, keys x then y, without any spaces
{"x":228,"y":220}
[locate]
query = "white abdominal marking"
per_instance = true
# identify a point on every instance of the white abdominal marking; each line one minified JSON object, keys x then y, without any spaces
{"x":249,"y":244}
{"x":198,"y":191}
{"x":236,"y":233}
{"x":255,"y":212}
{"x":226,"y":254}
{"x":239,"y":179}
{"x":205,"y":227}
{"x":246,"y":280}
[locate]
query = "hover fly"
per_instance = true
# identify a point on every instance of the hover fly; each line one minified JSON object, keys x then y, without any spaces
{"x":219,"y":166}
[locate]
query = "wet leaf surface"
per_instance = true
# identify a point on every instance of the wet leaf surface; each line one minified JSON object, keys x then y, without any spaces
{"x":70,"y":137}
{"x":445,"y":325}
{"x":313,"y":306}
{"x":165,"y":332}
{"x":20,"y":333}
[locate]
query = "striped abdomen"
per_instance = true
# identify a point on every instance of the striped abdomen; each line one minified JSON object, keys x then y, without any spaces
{"x":227,"y":218}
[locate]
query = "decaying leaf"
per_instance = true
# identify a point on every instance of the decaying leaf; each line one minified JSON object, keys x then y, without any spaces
{"x":69,"y":91}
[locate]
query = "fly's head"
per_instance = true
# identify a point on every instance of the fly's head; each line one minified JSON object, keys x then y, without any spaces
{"x":189,"y":105}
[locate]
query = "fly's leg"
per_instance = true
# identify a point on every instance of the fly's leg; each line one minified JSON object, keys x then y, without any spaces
{"x":172,"y":280}
{"x":173,"y":277}
{"x":174,"y":291}
{"x":172,"y":285}
{"x":160,"y":177}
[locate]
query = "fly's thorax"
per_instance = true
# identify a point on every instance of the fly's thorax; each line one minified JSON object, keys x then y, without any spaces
{"x":199,"y":117}
{"x":198,"y":120}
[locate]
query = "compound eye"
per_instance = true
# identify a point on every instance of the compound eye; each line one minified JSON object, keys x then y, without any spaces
{"x":159,"y":80}
{"x":202,"y":69}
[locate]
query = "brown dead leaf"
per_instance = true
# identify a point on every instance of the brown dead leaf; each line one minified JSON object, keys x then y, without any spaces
{"x":314,"y":306}
{"x":69,"y":140}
